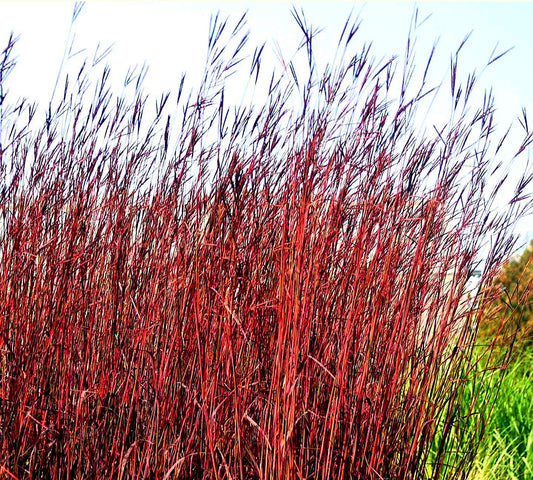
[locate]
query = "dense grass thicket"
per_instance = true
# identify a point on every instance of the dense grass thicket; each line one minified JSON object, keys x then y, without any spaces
{"x":506,"y":451}
{"x":278,"y":291}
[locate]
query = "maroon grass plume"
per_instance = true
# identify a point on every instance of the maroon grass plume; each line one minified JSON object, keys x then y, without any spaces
{"x":259,"y":291}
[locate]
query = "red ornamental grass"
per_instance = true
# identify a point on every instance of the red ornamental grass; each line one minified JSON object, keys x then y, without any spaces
{"x":274,"y":291}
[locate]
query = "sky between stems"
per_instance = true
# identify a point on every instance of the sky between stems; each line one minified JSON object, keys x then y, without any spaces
{"x":171,"y":38}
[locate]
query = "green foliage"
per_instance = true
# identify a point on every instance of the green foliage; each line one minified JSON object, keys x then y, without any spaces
{"x":507,"y":449}
{"x":502,"y":399}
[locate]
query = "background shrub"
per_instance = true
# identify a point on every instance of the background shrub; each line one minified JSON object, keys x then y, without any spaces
{"x":510,"y":318}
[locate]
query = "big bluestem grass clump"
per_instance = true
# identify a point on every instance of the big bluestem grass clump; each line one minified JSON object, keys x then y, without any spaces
{"x":272,"y":291}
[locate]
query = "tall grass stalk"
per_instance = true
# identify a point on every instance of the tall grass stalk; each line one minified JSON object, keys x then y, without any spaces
{"x":275,"y":291}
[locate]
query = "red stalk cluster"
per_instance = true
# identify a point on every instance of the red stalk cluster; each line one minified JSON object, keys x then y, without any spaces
{"x":268,"y":292}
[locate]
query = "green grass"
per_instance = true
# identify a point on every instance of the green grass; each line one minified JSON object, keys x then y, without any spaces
{"x":507,"y":449}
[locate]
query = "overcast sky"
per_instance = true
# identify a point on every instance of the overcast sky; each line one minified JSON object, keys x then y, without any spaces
{"x":171,"y":37}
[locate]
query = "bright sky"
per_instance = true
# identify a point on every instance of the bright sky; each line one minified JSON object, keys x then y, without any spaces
{"x":171,"y":37}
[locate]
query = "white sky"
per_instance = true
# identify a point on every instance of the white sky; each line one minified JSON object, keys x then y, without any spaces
{"x":171,"y":37}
